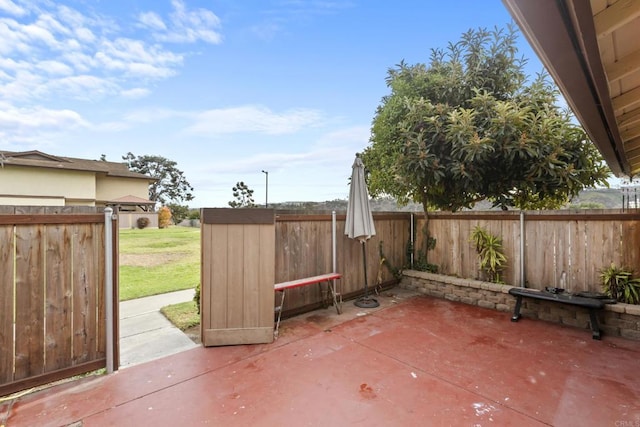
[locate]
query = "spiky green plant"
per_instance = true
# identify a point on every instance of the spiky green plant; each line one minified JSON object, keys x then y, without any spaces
{"x":491,"y":257}
{"x":619,"y":284}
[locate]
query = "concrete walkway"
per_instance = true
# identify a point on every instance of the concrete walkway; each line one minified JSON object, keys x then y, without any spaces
{"x":145,"y":334}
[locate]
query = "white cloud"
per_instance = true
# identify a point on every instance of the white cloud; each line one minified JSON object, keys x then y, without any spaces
{"x":55,"y":68}
{"x":153,"y":114}
{"x":135,"y":93}
{"x":12,"y":8}
{"x":85,"y":35}
{"x":83,"y":86}
{"x":136,"y":58}
{"x":50,"y":51}
{"x":253,"y":119}
{"x":152,"y":20}
{"x":36,"y":126}
{"x":184,"y":26}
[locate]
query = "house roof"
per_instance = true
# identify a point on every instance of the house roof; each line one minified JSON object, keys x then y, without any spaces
{"x":43,"y":160}
{"x":592,"y":51}
{"x":131,"y":200}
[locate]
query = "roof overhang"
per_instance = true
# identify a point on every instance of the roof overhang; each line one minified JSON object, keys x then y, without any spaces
{"x":592,"y":51}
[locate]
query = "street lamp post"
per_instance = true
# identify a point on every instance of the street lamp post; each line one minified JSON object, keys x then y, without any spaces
{"x":266,"y":187}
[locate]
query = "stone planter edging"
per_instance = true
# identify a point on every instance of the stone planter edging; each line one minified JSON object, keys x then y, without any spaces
{"x":621,"y":320}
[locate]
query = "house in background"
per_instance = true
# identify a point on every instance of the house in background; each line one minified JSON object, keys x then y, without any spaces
{"x":34,"y":178}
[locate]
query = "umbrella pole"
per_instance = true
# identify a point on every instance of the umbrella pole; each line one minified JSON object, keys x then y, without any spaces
{"x":366,"y":301}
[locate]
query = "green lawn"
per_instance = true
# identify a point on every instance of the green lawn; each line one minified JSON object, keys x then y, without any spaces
{"x":155,"y":261}
{"x":183,"y":315}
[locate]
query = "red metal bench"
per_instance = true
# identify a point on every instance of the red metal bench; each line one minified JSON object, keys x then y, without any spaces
{"x":329,"y":278}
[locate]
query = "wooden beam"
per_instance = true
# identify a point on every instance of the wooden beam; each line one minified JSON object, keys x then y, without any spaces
{"x":633,"y":155}
{"x":623,"y":67}
{"x":633,"y":144}
{"x":627,"y":99}
{"x":629,"y":118}
{"x":629,"y":133}
{"x":615,"y":16}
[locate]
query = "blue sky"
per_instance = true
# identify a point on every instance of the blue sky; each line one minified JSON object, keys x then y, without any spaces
{"x":226,"y":88}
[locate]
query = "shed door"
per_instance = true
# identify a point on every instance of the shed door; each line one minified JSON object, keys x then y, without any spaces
{"x":237,"y":276}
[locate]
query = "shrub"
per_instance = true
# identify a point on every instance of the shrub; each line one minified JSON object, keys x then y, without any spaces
{"x":617,"y":283}
{"x":420,"y":263}
{"x":178,"y":212}
{"x":164,"y":217}
{"x":142,"y":222}
{"x":196,"y":297}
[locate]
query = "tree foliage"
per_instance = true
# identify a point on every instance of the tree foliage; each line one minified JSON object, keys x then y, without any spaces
{"x":243,"y":195}
{"x":171,"y":185}
{"x":471,"y":126}
{"x":178,"y":212}
{"x":164,"y":217}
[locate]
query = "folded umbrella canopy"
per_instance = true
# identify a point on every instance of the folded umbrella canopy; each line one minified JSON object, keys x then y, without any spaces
{"x":359,"y":223}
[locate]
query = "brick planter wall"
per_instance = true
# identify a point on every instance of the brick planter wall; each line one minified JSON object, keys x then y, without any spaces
{"x":621,"y":320}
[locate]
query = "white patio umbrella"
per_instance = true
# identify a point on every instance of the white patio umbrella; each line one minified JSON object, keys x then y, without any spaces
{"x":359,"y":223}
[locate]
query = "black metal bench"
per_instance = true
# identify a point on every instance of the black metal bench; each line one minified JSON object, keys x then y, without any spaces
{"x":591,"y":304}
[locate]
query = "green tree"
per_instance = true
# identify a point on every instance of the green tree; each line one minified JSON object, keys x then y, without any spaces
{"x":243,"y":195}
{"x":471,"y":126}
{"x":171,"y":185}
{"x":178,"y":212}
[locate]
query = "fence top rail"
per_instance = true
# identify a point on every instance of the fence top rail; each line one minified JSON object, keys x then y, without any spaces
{"x":568,"y":215}
{"x":19,"y":219}
{"x":340,"y":216}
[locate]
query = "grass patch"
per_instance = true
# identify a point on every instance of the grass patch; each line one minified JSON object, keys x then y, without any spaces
{"x":183,"y":315}
{"x":155,"y":261}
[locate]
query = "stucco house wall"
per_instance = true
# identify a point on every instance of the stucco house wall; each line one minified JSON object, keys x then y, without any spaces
{"x":112,"y":188}
{"x":23,"y":185}
{"x":34,"y":178}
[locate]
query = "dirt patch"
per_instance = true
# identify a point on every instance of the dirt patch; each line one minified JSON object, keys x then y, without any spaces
{"x":194,"y":334}
{"x":150,"y":260}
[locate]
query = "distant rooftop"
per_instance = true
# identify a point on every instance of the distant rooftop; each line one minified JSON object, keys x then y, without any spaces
{"x":39,"y":159}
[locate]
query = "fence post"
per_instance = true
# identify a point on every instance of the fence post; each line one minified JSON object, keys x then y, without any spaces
{"x":522,"y":244}
{"x":108,"y":264}
{"x":411,"y":239}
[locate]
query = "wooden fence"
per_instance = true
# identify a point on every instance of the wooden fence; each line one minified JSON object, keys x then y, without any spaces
{"x":130,"y":219}
{"x":303,"y":249}
{"x":237,"y":276}
{"x":52,"y":311}
{"x":578,"y":243}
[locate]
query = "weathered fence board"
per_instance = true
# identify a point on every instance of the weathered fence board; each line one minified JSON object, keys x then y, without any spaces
{"x":52,"y":301}
{"x":237,"y":276}
{"x":304,"y":249}
{"x":29,"y":340}
{"x":6,"y":302}
{"x":58,"y":307}
{"x":579,"y":244}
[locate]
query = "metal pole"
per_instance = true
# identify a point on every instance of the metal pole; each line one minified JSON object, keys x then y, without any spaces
{"x":333,"y":241}
{"x":366,"y":301}
{"x":266,"y":188}
{"x":108,"y":279}
{"x":522,"y":243}
{"x":366,"y":282}
{"x":333,"y":255}
{"x":412,"y":243}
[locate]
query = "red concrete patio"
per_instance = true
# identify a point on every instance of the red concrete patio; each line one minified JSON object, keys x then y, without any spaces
{"x":415,"y":361}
